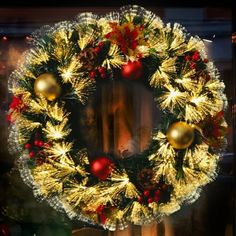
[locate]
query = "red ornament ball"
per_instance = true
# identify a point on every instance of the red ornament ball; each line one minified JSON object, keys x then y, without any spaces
{"x":133,"y":70}
{"x":101,"y":167}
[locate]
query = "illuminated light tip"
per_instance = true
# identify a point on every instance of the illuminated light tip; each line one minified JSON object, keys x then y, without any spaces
{"x":173,"y":93}
{"x":207,"y":40}
{"x":4,"y":38}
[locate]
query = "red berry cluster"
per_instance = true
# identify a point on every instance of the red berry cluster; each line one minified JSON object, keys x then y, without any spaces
{"x":99,"y":72}
{"x":16,"y":106}
{"x":98,"y":48}
{"x":194,"y":58}
{"x":34,"y":148}
{"x":149,"y":196}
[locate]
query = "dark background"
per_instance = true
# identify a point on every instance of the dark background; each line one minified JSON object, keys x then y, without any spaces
{"x":214,"y":213}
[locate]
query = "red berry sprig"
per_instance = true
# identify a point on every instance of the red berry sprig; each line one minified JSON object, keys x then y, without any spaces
{"x":102,"y":72}
{"x":92,"y":74}
{"x":27,"y":146}
{"x":31,"y":154}
{"x":98,"y":48}
{"x":149,"y":196}
{"x":196,"y":56}
{"x":35,"y":148}
{"x":193,"y":59}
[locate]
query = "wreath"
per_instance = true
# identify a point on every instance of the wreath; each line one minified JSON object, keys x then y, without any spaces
{"x":61,"y":71}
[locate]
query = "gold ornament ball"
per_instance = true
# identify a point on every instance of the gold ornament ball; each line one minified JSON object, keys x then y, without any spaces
{"x":46,"y":85}
{"x":180,"y":135}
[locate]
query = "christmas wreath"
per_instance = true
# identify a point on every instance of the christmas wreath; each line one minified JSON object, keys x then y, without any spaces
{"x":62,"y":69}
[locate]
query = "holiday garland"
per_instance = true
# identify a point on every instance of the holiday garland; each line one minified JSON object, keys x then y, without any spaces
{"x":61,"y":71}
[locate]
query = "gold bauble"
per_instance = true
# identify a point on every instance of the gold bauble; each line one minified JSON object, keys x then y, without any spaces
{"x":180,"y":135}
{"x":46,"y":85}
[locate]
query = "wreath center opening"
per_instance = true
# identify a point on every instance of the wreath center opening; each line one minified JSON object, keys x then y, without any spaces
{"x":118,"y":119}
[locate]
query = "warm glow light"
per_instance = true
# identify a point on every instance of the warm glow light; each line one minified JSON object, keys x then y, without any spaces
{"x":207,"y":40}
{"x":67,"y":75}
{"x":4,"y":38}
{"x":234,"y":37}
{"x":27,"y":37}
{"x":41,"y":85}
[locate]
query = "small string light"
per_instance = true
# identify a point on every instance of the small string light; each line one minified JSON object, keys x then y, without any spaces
{"x":233,"y":37}
{"x":207,"y":40}
{"x":210,"y":40}
{"x":4,"y":38}
{"x":28,"y":38}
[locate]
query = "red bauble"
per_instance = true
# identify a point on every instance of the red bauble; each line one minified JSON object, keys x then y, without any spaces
{"x":101,"y":167}
{"x":133,"y":70}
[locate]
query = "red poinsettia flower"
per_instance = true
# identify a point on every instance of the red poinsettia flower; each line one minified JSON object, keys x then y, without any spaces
{"x":16,"y":107}
{"x":128,"y":36}
{"x":16,"y":103}
{"x":214,"y":129}
{"x":101,"y":211}
{"x":102,"y":218}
